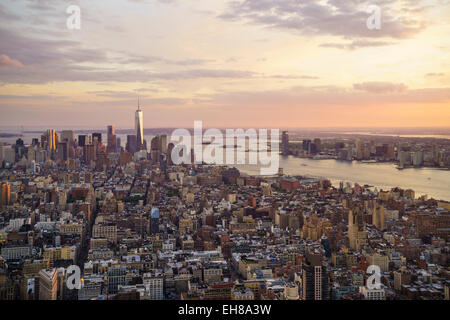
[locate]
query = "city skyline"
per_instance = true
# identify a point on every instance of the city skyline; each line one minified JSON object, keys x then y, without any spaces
{"x":319,"y":67}
{"x":225,"y":157}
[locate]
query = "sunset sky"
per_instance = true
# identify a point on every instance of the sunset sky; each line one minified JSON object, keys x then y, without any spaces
{"x":241,"y":63}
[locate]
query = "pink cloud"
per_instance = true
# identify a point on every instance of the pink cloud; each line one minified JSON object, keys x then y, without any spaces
{"x":7,"y":61}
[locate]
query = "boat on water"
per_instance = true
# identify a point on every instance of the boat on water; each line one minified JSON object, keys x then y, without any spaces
{"x":228,"y":146}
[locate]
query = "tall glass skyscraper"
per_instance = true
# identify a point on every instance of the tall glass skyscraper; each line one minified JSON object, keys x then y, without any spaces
{"x":139,"y":127}
{"x":51,"y":139}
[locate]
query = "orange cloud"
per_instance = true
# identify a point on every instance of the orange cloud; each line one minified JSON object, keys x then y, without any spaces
{"x":8,"y":62}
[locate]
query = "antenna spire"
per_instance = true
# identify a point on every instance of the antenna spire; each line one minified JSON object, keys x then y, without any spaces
{"x":139,"y":107}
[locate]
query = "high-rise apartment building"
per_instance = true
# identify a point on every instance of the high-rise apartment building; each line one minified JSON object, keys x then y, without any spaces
{"x":315,"y":278}
{"x":154,"y":286}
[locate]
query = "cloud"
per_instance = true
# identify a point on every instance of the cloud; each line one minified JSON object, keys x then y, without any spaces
{"x":114,"y":94}
{"x":82,"y":73}
{"x":433,"y":74}
{"x":43,"y":52}
{"x":146,"y":90}
{"x":30,"y":97}
{"x":149,"y":1}
{"x":342,"y":18}
{"x":295,"y":106}
{"x":356,"y":44}
{"x":148,"y":59}
{"x":6,"y":15}
{"x":68,"y":60}
{"x":380,"y":87}
{"x":134,"y":95}
{"x":289,"y":76}
{"x":8,"y":62}
{"x":317,"y":97}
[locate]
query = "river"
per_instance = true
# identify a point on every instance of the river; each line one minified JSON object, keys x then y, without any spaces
{"x":433,"y":182}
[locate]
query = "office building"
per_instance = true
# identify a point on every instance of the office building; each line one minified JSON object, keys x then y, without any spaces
{"x":97,"y":138}
{"x":285,"y":143}
{"x":139,"y":128}
{"x":89,"y":153}
{"x":82,"y":140}
{"x":63,"y":150}
{"x":131,"y":146}
{"x":112,"y":140}
{"x":50,"y":140}
{"x":68,"y":135}
{"x":5,"y":196}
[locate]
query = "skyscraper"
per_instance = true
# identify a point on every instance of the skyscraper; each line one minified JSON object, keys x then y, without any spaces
{"x":89,"y":153}
{"x":359,"y":151}
{"x":315,"y":278}
{"x":155,"y":149}
{"x":307,"y":146}
{"x":63,"y":150}
{"x":68,"y":135}
{"x":131,"y":145}
{"x":5,"y":194}
{"x":379,"y":217}
{"x":82,"y":140}
{"x":163,"y":141}
{"x":118,"y":145}
{"x":139,"y":127}
{"x":357,"y":229}
{"x":285,"y":143}
{"x":112,"y":140}
{"x":51,"y":139}
{"x":97,"y":138}
{"x":154,"y":224}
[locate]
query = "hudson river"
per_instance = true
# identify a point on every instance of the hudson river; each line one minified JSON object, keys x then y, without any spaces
{"x":433,"y":182}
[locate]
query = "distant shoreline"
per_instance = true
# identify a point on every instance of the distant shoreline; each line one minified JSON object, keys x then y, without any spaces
{"x":10,"y":135}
